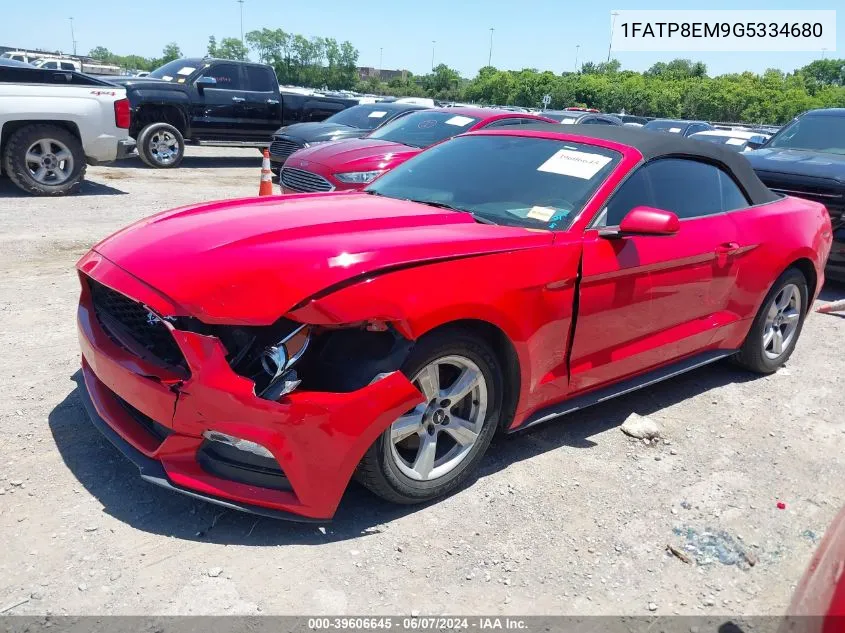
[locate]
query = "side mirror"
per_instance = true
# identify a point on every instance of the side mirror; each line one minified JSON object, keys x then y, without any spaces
{"x":754,"y":144}
{"x":205,"y":82}
{"x":646,"y":221}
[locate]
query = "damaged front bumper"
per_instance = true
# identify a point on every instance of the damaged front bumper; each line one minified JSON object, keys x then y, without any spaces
{"x":157,"y":418}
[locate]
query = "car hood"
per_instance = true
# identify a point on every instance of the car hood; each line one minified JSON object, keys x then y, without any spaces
{"x":316,"y":132}
{"x":357,"y":155}
{"x":798,"y":162}
{"x":250,"y":261}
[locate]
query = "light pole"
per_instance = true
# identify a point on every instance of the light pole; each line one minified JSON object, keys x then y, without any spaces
{"x":241,"y":2}
{"x":612,"y":27}
{"x":380,"y":53}
{"x":577,"y":48}
{"x":433,"y":42}
{"x":490,"y":54}
{"x":72,"y":36}
{"x":824,"y":53}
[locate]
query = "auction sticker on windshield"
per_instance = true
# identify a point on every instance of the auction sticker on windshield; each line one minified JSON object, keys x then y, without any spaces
{"x":460,"y":121}
{"x":377,"y":115}
{"x":185,"y":70}
{"x":541,"y":213}
{"x":567,"y":162}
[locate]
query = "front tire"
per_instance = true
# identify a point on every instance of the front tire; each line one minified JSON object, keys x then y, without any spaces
{"x":161,"y":146}
{"x":777,"y":326}
{"x":432,"y":449}
{"x":45,"y":160}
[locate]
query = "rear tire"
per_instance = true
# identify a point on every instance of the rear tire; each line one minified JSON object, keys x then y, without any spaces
{"x":777,"y":326}
{"x":161,"y":146}
{"x":458,"y":431}
{"x":45,"y":160}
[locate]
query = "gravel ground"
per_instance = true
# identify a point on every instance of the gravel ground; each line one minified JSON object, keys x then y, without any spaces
{"x":571,"y":518}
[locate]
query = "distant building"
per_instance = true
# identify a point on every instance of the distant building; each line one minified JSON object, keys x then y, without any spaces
{"x":365,"y":72}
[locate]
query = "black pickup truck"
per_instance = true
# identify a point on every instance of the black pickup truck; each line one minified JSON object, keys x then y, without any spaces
{"x":806,"y":158}
{"x":214,"y":102}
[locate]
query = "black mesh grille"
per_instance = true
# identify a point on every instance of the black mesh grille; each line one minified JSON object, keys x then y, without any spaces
{"x":282,"y":147}
{"x":133,"y":327}
{"x":305,"y":181}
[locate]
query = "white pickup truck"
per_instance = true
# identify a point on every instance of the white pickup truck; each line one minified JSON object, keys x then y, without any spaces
{"x":53,"y":123}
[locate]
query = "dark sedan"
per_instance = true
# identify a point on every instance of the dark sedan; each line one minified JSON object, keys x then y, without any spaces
{"x":353,"y":122}
{"x":807,"y":159}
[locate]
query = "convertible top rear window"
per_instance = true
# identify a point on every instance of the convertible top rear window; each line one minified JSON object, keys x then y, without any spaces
{"x":510,"y":180}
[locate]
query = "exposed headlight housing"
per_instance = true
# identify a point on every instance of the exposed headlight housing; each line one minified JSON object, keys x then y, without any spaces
{"x":278,"y":361}
{"x":359,"y":177}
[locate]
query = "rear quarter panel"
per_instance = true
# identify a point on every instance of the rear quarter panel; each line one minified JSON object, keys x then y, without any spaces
{"x":772,"y":237}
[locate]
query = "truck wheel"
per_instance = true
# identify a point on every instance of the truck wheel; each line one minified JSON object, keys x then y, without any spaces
{"x":161,"y":145}
{"x":45,"y":160}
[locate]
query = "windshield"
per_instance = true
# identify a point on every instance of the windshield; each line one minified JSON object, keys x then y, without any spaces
{"x":172,"y":71}
{"x":512,"y":180}
{"x":673,"y":127}
{"x":818,"y":133}
{"x":363,"y":117}
{"x":424,"y":128}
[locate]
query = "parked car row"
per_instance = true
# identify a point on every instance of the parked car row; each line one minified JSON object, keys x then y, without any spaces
{"x":353,"y":164}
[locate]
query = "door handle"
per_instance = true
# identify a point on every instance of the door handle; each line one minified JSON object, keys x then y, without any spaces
{"x":727,"y":247}
{"x":238,"y":99}
{"x":273,"y":101}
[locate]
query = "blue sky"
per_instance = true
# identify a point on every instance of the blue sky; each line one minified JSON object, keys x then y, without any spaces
{"x":539,"y":34}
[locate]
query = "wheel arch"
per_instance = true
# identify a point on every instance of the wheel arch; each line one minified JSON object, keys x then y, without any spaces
{"x":505,"y":353}
{"x":159,"y":113}
{"x":806,"y":267}
{"x":10,"y":127}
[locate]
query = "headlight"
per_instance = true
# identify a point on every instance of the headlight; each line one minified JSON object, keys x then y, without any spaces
{"x":277,"y":359}
{"x":359,"y":177}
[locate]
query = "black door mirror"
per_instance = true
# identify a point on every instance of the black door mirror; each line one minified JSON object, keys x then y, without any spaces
{"x":205,"y":82}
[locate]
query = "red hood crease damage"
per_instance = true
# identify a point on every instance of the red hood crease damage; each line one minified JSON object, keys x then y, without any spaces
{"x":249,"y":261}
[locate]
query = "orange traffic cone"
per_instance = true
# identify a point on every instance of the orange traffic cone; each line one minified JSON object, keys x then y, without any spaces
{"x":266,"y":186}
{"x":836,"y":306}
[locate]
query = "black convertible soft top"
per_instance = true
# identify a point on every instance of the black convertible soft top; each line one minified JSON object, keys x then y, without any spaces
{"x":654,"y":145}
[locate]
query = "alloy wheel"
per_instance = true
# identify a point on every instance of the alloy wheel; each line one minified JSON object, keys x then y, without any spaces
{"x":782,"y":321}
{"x":163,"y":146}
{"x":432,"y":439}
{"x":49,"y":161}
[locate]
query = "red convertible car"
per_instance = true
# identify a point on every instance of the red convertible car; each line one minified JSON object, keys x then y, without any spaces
{"x":818,"y":604}
{"x":353,"y":164}
{"x":259,"y":353}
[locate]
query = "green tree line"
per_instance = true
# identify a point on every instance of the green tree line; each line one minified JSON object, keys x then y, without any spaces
{"x":680,"y":88}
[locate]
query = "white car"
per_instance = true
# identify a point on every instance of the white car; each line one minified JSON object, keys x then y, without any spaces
{"x":53,"y":63}
{"x":53,"y":123}
{"x":737,"y":140}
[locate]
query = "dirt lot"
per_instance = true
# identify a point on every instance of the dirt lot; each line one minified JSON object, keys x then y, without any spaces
{"x":573,"y":517}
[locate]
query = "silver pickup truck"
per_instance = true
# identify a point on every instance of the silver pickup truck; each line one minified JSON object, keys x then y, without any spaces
{"x":53,"y":123}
